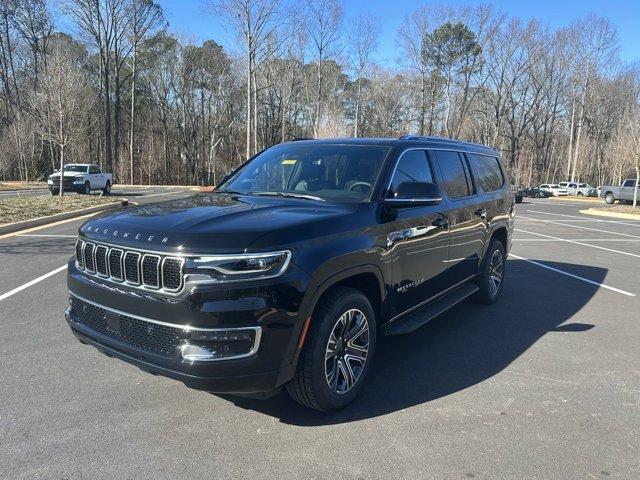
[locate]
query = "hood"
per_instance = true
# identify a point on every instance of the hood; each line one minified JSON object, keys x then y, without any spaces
{"x":217,"y":223}
{"x":67,"y":174}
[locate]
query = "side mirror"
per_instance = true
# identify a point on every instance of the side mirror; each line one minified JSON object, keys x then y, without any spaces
{"x":415,"y":194}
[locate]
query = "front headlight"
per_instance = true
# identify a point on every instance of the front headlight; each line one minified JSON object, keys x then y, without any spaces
{"x":248,"y":266}
{"x":77,"y":179}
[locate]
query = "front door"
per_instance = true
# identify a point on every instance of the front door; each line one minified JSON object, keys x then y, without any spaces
{"x":417,"y":239}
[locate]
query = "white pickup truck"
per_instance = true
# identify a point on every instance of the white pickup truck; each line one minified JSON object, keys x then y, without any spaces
{"x":81,"y":178}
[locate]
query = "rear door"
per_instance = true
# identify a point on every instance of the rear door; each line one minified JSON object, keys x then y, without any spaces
{"x":467,"y":218}
{"x":417,"y":239}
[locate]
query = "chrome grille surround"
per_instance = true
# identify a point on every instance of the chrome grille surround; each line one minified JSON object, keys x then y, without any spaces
{"x":150,"y":270}
{"x":131,"y":271}
{"x":143,"y":270}
{"x":101,"y":260}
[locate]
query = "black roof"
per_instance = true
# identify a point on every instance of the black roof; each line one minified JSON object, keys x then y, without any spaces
{"x":429,"y":142}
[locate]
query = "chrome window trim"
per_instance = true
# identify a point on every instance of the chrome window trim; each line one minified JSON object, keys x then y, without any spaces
{"x":158,"y":271}
{"x":111,"y":276}
{"x":172,"y":290}
{"x":404,"y":200}
{"x":439,"y":149}
{"x":187,"y":328}
{"x":124,"y":262}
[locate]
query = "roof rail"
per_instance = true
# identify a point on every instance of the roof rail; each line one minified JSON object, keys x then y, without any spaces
{"x":410,"y":136}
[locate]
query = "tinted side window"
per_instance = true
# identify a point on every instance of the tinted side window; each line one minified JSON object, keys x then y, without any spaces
{"x":490,"y":177}
{"x":94,"y":170}
{"x":413,"y":166}
{"x":455,"y":174}
{"x":629,"y":183}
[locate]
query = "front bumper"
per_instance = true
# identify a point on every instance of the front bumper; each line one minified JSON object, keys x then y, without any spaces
{"x":269,"y":309}
{"x":67,"y":186}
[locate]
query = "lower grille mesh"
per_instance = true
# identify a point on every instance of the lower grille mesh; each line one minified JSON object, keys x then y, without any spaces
{"x":151,"y":337}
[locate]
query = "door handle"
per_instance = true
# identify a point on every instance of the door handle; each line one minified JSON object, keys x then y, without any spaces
{"x":413,"y":232}
{"x":482,"y":213}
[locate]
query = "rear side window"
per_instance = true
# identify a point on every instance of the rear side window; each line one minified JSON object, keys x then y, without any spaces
{"x":455,"y":174}
{"x":413,"y":166}
{"x":490,"y":177}
{"x":629,"y":183}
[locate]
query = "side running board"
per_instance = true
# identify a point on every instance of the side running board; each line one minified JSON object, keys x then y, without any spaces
{"x":423,"y":315}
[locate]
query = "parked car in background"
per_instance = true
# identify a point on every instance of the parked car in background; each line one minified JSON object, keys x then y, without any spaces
{"x":535,"y":192}
{"x":580,"y":189}
{"x":554,"y":189}
{"x":518,"y":194}
{"x":81,"y":178}
{"x":622,"y":193}
{"x":564,"y":185}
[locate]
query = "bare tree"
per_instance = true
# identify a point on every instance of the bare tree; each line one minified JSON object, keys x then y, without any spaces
{"x":363,"y":37}
{"x":323,"y":25}
{"x":146,"y":18}
{"x":253,"y":21}
{"x":60,"y":106}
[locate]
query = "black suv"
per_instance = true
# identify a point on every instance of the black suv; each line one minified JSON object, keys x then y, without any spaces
{"x":288,"y":273}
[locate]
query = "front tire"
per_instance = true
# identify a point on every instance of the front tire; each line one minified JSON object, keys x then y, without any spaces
{"x":87,"y":188}
{"x":609,"y":198}
{"x":338,"y":352}
{"x":491,"y":278}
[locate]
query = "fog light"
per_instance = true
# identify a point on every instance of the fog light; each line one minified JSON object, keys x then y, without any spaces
{"x":194,"y":353}
{"x":207,"y":346}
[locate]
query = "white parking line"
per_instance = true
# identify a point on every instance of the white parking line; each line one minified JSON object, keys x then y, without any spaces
{"x":553,"y":222}
{"x":582,"y":218}
{"x":577,"y":277}
{"x":32,"y":282}
{"x":576,"y":242}
{"x":632,"y":240}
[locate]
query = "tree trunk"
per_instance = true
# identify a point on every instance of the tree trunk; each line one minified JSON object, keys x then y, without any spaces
{"x":133,"y":112}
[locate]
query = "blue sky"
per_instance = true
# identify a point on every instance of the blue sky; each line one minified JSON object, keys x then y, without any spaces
{"x":187,"y":18}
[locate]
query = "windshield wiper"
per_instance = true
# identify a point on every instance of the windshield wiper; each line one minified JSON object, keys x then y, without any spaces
{"x":232,"y":192}
{"x":289,"y":195}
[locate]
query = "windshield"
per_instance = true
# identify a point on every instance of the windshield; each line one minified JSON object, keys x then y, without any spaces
{"x":327,"y":172}
{"x":75,"y":168}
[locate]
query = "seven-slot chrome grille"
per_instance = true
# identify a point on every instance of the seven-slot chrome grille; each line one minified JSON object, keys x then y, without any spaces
{"x":135,"y":268}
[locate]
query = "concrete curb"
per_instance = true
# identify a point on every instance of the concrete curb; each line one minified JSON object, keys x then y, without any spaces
{"x":37,"y":222}
{"x":602,"y":213}
{"x":14,"y":190}
{"x":577,"y":199}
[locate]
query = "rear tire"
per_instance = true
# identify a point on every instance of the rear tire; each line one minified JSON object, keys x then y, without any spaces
{"x":338,"y":351}
{"x":107,"y":188}
{"x":609,"y":198}
{"x":55,"y":192}
{"x":491,"y":278}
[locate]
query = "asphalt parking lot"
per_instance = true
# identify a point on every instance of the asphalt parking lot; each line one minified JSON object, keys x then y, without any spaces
{"x":543,"y":384}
